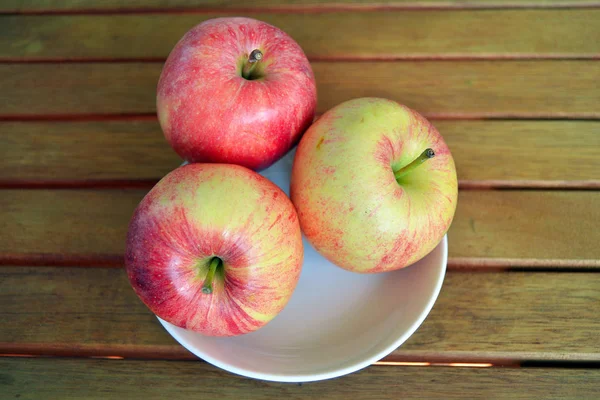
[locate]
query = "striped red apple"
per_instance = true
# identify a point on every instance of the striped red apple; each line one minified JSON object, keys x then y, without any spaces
{"x":374,"y":185}
{"x":215,"y":248}
{"x":235,"y":90}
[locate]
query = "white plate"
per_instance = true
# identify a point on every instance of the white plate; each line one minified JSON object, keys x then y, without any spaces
{"x":336,"y":322}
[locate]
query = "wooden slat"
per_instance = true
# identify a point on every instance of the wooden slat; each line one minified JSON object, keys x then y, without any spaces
{"x":509,"y":317}
{"x":495,"y":228}
{"x":99,"y":379}
{"x":76,"y":153}
{"x":67,"y":89}
{"x":487,"y":153}
{"x":65,"y":223}
{"x":524,"y":153}
{"x":526,"y":228}
{"x":78,"y":6}
{"x":391,"y":35}
{"x":466,"y":89}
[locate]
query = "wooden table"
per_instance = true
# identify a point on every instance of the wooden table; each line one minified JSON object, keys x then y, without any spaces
{"x":514,"y":87}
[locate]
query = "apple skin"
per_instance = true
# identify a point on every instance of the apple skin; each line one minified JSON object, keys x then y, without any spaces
{"x":201,"y":211}
{"x":210,"y":113}
{"x":351,"y":208}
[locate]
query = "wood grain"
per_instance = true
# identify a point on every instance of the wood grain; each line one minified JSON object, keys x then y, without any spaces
{"x":436,"y":34}
{"x":117,"y":153}
{"x":452,"y":89}
{"x":499,"y":227}
{"x":84,"y":152}
{"x":515,"y":316}
{"x":524,"y":153}
{"x":67,"y":89}
{"x":526,"y":225}
{"x":101,"y":379}
{"x":493,"y":316}
{"x":91,"y":6}
{"x":66,"y":222}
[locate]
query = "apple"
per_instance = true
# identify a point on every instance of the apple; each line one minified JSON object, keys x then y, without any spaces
{"x":215,"y":248}
{"x":374,"y":185}
{"x":235,"y":90}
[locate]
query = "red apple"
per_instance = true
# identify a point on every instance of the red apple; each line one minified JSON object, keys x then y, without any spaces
{"x":235,"y":90}
{"x":215,"y":248}
{"x":374,"y":184}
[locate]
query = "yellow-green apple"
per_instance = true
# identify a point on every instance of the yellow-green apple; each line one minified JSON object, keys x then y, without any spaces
{"x":374,"y":185}
{"x":235,"y":90}
{"x":215,"y":248}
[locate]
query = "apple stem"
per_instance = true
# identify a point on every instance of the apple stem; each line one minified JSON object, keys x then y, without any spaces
{"x":207,"y":287}
{"x":425,"y":155}
{"x":252,"y":61}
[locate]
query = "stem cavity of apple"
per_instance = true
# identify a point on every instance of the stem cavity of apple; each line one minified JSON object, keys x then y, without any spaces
{"x":214,"y":264}
{"x":425,"y":155}
{"x":251,"y":63}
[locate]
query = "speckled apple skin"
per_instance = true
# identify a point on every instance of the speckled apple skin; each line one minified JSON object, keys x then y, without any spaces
{"x":351,"y":208}
{"x":210,"y":113}
{"x":200,"y":211}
